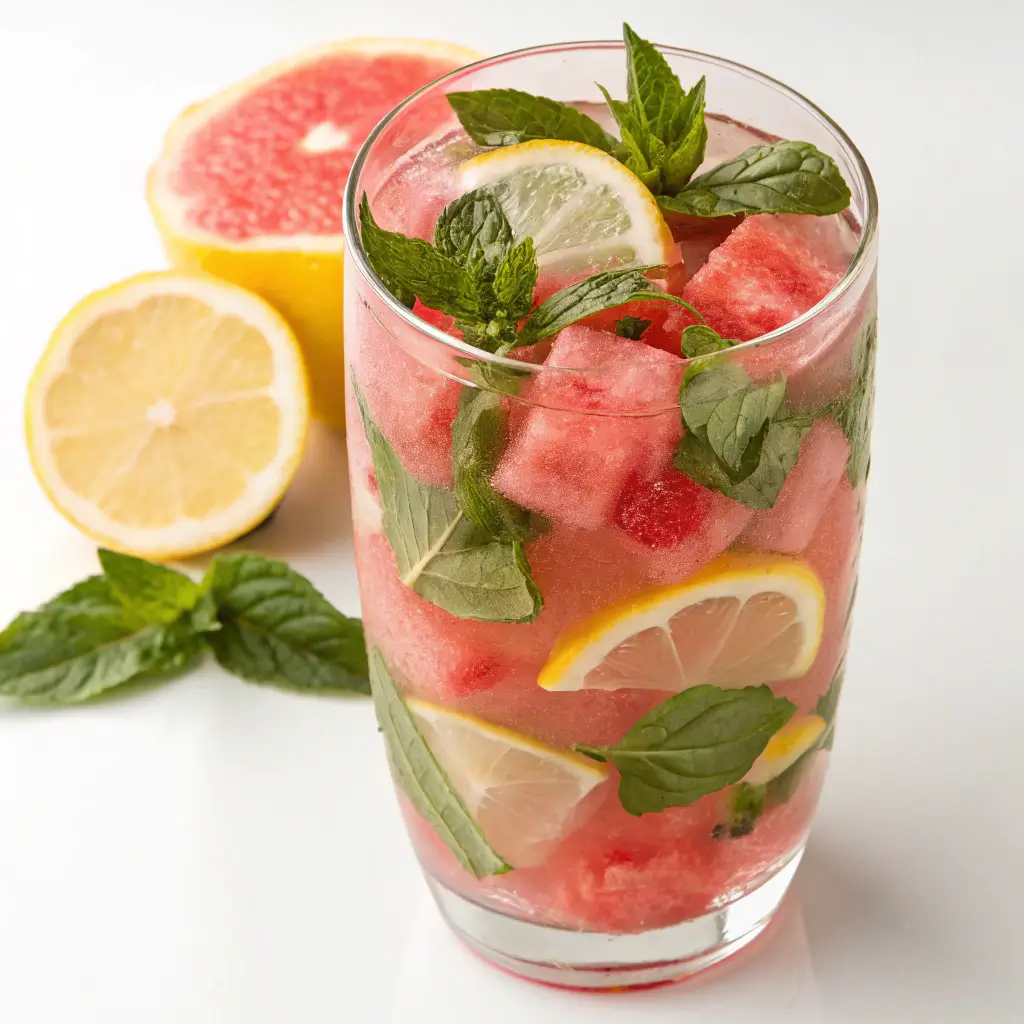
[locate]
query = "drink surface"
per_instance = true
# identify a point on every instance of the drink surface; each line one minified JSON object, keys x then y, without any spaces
{"x":655,"y":580}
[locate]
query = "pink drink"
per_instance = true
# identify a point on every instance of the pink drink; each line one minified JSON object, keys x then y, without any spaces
{"x":592,"y":450}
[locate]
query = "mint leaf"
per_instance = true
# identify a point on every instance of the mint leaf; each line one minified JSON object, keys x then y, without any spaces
{"x":505,"y":117}
{"x":412,"y":268}
{"x":707,"y":389}
{"x":701,"y":340}
{"x":635,"y":149}
{"x":654,"y":92}
{"x":693,"y":744}
{"x":737,"y":426}
{"x":592,"y":295}
{"x":515,"y":280}
{"x":855,"y":414}
{"x":786,"y":177}
{"x":474,"y":231}
{"x":687,"y":142}
{"x":85,"y":641}
{"x":441,"y":554}
{"x":276,"y":627}
{"x":478,"y":439}
{"x":779,"y":451}
{"x":153,"y":592}
{"x":828,"y":704}
{"x":631,"y":327}
{"x":423,"y":780}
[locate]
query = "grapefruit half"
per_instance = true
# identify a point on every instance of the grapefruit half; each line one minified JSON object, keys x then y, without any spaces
{"x":249,"y":184}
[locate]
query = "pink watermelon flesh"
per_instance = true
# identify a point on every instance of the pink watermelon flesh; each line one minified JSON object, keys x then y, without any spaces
{"x":675,"y":527}
{"x":412,"y":403}
{"x":763,"y":275}
{"x":790,"y":524}
{"x":573,"y":465}
{"x":275,"y":161}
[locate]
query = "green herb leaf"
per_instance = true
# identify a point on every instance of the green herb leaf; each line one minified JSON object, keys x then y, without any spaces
{"x":737,"y":426}
{"x":505,"y":117}
{"x":478,"y":439}
{"x":153,"y":592}
{"x":276,"y":627}
{"x":701,"y":340}
{"x":828,"y":704}
{"x":85,"y":641}
{"x":855,"y":414}
{"x":443,"y":556}
{"x":424,"y":781}
{"x":412,"y":268}
{"x":474,"y":231}
{"x":779,"y":452}
{"x":515,"y":280}
{"x":785,"y":177}
{"x":655,"y":95}
{"x":709,"y":388}
{"x":592,"y":295}
{"x":693,"y":744}
{"x":631,"y":327}
{"x":687,"y":142}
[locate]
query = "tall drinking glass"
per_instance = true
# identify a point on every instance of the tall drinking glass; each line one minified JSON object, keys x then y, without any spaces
{"x":609,"y":734}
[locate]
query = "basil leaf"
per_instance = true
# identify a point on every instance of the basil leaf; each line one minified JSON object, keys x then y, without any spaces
{"x":631,"y":327}
{"x":515,"y":280}
{"x":412,"y":268}
{"x":443,"y":556}
{"x":701,"y":340}
{"x":786,"y":177}
{"x":506,"y":117}
{"x":693,"y":744}
{"x":276,"y":627}
{"x":478,"y":439}
{"x":474,"y":231}
{"x":85,"y":641}
{"x":855,"y":414}
{"x":592,"y":295}
{"x":424,"y":781}
{"x":153,"y":592}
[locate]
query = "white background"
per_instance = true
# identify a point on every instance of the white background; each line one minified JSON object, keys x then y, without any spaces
{"x":214,"y":853}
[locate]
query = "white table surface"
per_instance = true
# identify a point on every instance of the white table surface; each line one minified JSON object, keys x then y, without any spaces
{"x":216,"y":853}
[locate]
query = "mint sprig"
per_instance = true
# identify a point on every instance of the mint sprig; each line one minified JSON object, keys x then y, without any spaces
{"x":140,"y":621}
{"x":854,"y":413}
{"x":663,"y":138}
{"x":693,"y":744}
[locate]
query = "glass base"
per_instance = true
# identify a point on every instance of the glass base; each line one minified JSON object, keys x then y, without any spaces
{"x":597,"y":960}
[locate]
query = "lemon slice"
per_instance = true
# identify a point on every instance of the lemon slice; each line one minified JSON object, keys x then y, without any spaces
{"x":740,"y":621}
{"x":785,"y":748}
{"x":524,"y":794}
{"x":168,"y":414}
{"x":581,"y":207}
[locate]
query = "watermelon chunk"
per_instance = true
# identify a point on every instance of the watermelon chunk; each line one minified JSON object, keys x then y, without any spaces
{"x":763,"y":275}
{"x":790,"y":524}
{"x":412,"y":403}
{"x":569,"y":456}
{"x":674,"y":526}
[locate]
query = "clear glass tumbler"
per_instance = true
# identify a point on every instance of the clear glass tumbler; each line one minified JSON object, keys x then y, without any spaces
{"x":662,"y":600}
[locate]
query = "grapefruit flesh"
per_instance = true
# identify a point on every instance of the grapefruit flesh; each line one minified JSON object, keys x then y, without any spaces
{"x":249,"y":185}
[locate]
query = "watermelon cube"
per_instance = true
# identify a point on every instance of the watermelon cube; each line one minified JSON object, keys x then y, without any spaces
{"x":570,"y":456}
{"x":763,"y":275}
{"x":790,"y":524}
{"x":413,"y":404}
{"x":673,"y":526}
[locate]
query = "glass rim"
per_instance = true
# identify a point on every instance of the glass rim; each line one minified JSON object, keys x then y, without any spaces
{"x":353,"y":241}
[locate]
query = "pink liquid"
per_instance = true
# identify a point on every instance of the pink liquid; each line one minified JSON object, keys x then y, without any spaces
{"x":611,"y":872}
